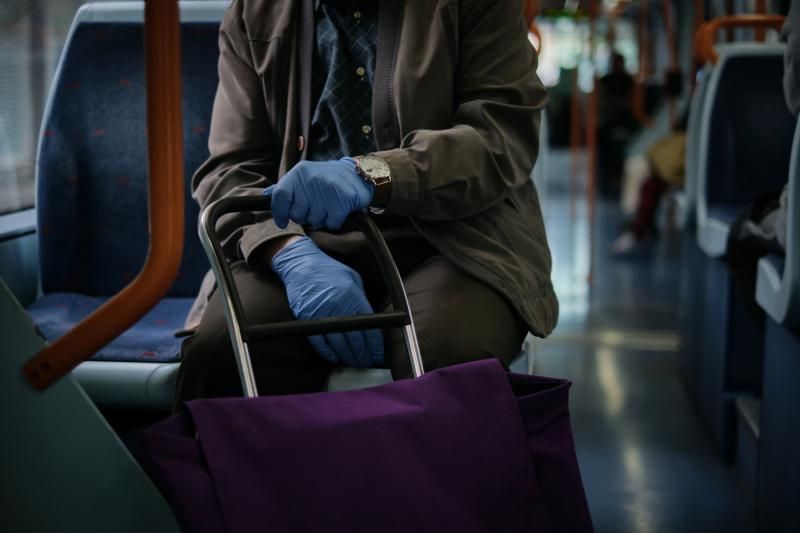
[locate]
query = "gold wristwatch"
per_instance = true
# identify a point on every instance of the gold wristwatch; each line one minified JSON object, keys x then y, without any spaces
{"x":377,"y":172}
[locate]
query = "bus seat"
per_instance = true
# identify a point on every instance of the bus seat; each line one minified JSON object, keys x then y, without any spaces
{"x":743,"y":150}
{"x":92,"y":182}
{"x":92,"y":198}
{"x":152,"y":339}
{"x":778,"y":477}
{"x":778,"y":293}
{"x":778,"y":282}
{"x":691,"y":327}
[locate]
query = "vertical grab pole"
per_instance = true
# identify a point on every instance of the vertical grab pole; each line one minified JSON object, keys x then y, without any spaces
{"x":699,"y":20}
{"x":165,"y":159}
{"x":165,"y":138}
{"x":639,"y":96}
{"x":574,"y":145}
{"x":730,"y":10}
{"x":761,"y":9}
{"x":591,"y":142}
{"x":673,"y":54}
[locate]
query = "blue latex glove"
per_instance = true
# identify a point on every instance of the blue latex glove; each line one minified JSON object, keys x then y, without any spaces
{"x":319,"y":194}
{"x":318,"y":286}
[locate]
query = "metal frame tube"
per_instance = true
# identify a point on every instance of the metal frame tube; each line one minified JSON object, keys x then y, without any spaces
{"x":232,"y":317}
{"x":234,"y":312}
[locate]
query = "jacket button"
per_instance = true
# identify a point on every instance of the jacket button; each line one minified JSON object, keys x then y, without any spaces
{"x":301,"y":143}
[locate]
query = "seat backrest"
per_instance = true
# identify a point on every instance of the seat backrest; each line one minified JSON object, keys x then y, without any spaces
{"x":92,"y":162}
{"x":791,"y":270}
{"x":778,"y":283}
{"x":693,"y":146}
{"x":746,"y":130}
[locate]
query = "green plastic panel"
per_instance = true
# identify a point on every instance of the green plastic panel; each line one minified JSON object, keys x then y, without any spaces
{"x":63,"y":468}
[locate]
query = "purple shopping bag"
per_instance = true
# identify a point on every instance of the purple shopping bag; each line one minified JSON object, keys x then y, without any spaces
{"x":463,"y":449}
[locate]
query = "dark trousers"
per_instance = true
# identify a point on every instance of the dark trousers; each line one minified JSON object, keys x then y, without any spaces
{"x":649,"y":195}
{"x":458,"y":318}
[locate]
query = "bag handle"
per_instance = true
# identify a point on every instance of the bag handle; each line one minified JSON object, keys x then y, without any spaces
{"x":242,"y":333}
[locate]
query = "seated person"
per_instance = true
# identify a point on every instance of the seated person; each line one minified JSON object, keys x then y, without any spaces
{"x":425,"y":112}
{"x":665,"y":170}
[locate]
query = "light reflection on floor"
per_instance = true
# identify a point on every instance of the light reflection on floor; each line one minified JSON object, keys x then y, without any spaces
{"x":647,"y":464}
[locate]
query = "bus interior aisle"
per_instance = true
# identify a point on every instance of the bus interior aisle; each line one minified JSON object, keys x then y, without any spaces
{"x":647,"y":462}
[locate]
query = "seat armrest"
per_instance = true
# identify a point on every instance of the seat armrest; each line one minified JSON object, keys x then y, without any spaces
{"x":129,"y":385}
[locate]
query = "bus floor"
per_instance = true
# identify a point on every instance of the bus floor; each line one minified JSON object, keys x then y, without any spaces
{"x":647,"y":463}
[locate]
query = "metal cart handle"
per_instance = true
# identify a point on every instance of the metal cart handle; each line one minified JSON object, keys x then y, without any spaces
{"x":242,"y":333}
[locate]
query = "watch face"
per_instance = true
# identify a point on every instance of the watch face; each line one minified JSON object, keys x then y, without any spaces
{"x":374,"y":167}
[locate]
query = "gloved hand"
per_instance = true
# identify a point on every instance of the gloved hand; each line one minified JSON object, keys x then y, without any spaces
{"x":319,"y":194}
{"x":318,"y":286}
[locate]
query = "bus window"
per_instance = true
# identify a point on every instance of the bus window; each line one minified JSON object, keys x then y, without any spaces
{"x":31,"y":35}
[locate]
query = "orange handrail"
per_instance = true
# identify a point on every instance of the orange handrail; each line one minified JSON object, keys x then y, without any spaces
{"x":707,"y":33}
{"x":530,"y":12}
{"x":534,"y":29}
{"x":761,"y":9}
{"x":165,"y":144}
{"x":697,"y":43}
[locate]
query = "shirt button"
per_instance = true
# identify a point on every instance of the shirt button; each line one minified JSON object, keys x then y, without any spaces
{"x":366,"y":130}
{"x":357,"y":15}
{"x":361,"y":72}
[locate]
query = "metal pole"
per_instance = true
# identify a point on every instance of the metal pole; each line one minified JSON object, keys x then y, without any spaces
{"x":591,"y":143}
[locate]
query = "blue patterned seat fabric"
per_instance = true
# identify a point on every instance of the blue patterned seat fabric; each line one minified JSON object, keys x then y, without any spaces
{"x":92,"y":183}
{"x":152,"y":339}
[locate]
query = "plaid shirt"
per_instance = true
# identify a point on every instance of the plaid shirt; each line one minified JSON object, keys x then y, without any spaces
{"x":343,"y":72}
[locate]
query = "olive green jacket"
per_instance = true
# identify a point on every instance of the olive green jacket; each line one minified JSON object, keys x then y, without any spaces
{"x":456,"y":108}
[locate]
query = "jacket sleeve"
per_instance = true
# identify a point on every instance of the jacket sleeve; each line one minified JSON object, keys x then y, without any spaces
{"x":244,"y":154}
{"x":493,"y":142}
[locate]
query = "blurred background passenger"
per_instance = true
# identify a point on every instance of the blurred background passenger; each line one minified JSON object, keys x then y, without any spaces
{"x":663,"y":170}
{"x":616,"y":123}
